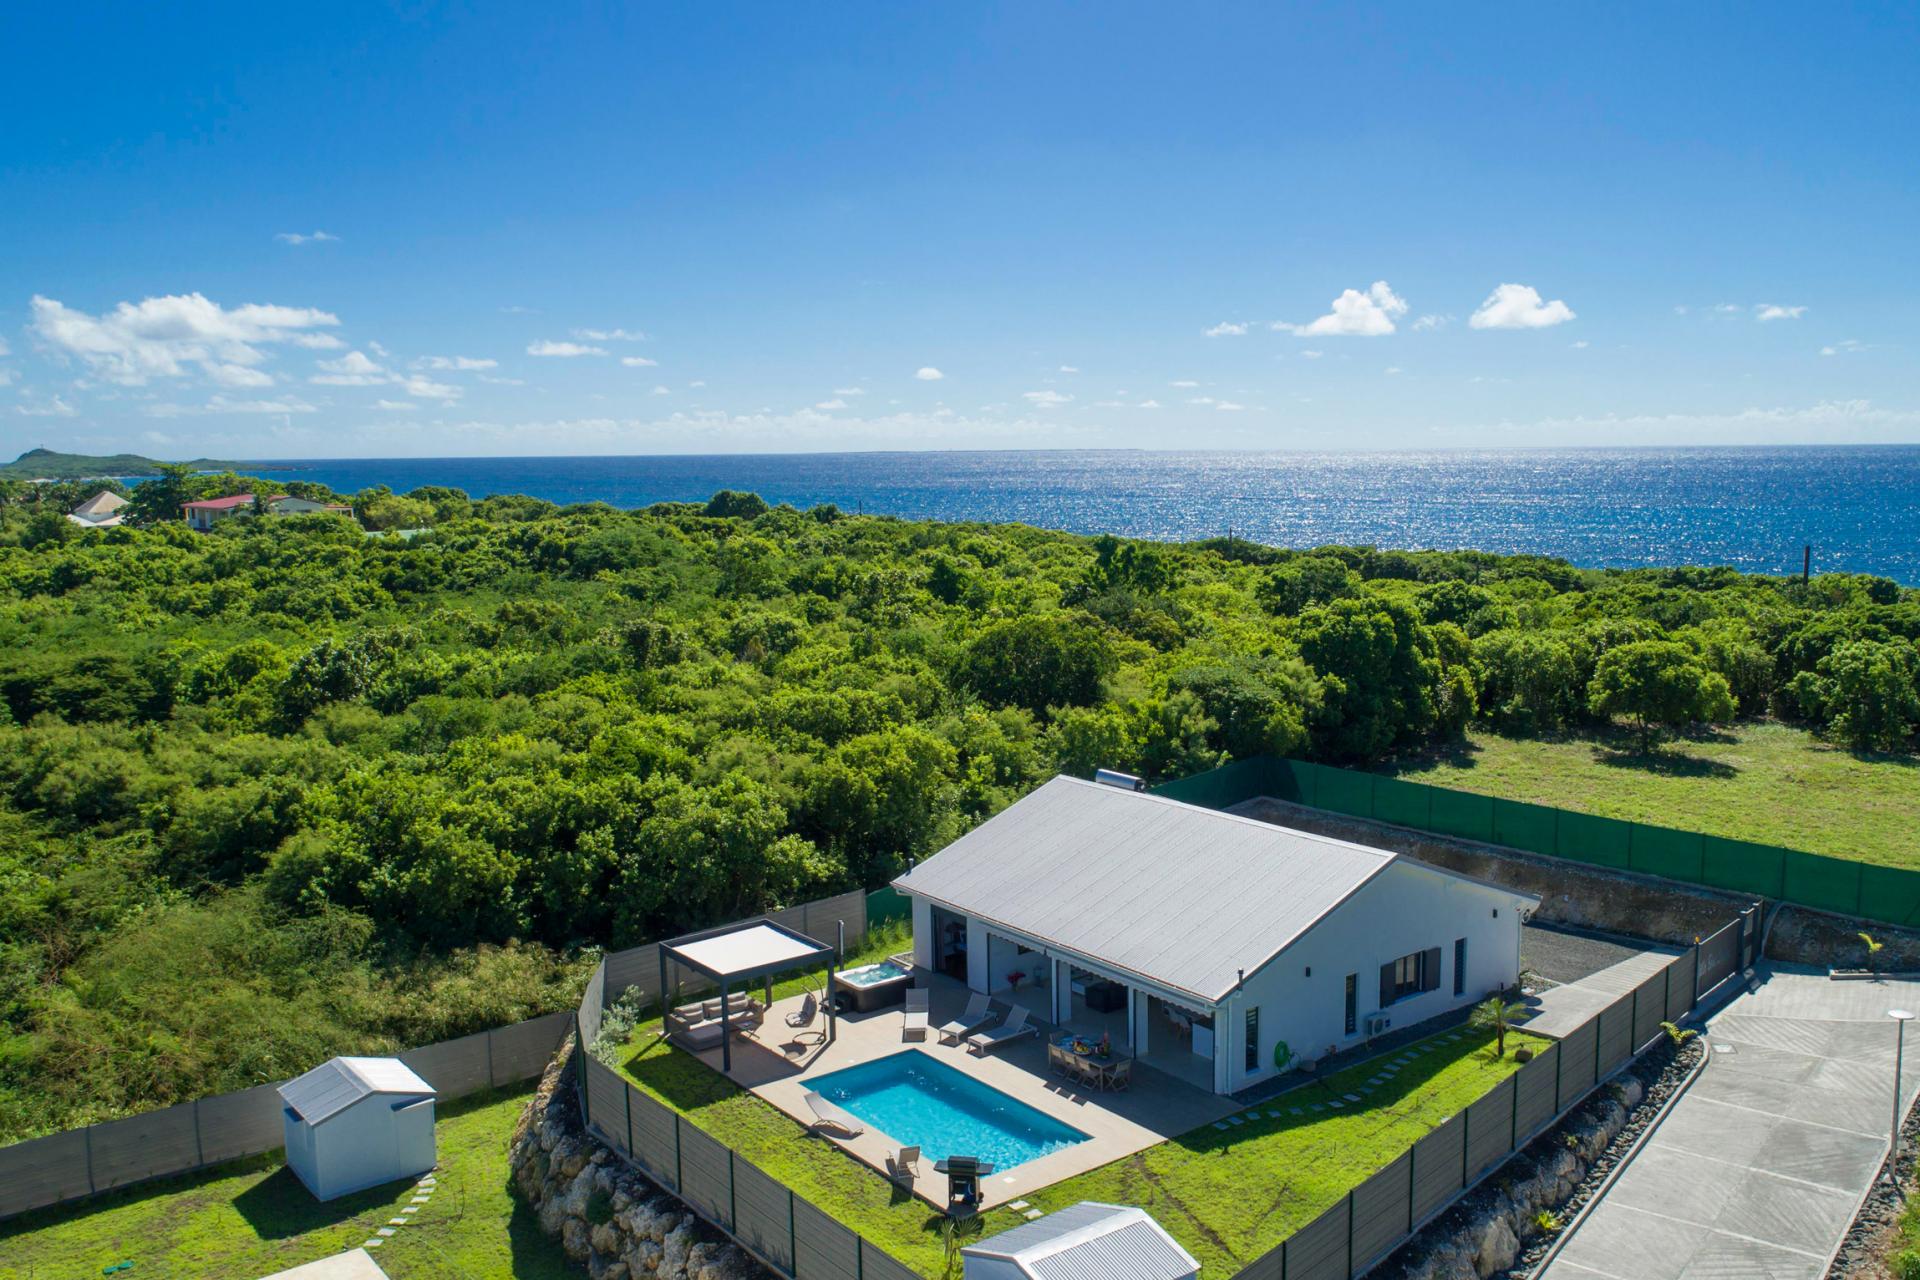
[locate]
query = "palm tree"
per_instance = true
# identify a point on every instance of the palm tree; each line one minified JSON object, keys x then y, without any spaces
{"x":1496,"y":1014}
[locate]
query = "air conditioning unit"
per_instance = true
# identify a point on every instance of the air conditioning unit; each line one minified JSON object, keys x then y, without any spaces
{"x":1377,"y":1023}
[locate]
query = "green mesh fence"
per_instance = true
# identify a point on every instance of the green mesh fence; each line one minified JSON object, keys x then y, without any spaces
{"x":1814,"y":880}
{"x":1463,"y":814}
{"x":1602,"y":841}
{"x":886,"y":905}
{"x":1662,"y":851}
{"x":1743,"y":866}
{"x":1531,"y":827}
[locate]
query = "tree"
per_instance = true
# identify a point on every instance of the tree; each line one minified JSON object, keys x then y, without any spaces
{"x":1308,"y":581}
{"x":1039,"y":661}
{"x":727,"y":504}
{"x":1497,"y":1014}
{"x":158,"y":500}
{"x":1657,"y":684}
{"x":1380,"y":675}
{"x":1528,"y":680}
{"x":1871,"y":693}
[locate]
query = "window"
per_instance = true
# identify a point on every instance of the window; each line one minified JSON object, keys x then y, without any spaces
{"x":1410,"y":975}
{"x":1253,"y":1039}
{"x":1353,"y":1003}
{"x":1459,"y":966}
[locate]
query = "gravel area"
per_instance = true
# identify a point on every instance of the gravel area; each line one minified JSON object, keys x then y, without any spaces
{"x":1562,"y":955}
{"x":1864,"y":1249}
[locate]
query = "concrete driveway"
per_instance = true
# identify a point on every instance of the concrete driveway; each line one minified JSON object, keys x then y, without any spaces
{"x":1759,"y":1168}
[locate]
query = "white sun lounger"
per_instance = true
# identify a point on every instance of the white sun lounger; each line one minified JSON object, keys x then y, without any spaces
{"x":1011,"y":1028}
{"x":914,"y":1024}
{"x":979,"y":1013}
{"x":827,"y":1113}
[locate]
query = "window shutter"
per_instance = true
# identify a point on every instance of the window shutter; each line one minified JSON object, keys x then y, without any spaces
{"x":1432,"y":967}
{"x":1386,"y":984}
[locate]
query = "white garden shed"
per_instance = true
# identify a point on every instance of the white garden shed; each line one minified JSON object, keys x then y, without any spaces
{"x":353,"y":1123}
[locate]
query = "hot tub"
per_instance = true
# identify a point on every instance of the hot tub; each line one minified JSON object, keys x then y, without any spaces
{"x":872,"y":986}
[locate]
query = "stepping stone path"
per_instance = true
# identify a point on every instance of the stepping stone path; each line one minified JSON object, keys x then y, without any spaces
{"x":1318,"y":1107}
{"x":1019,"y":1204}
{"x":1293,"y":1111}
{"x":1336,"y":1104}
{"x":1221,"y":1125}
{"x":1031,"y":1214}
{"x":1236,"y":1121}
{"x":1380,"y":1079}
{"x":422,"y":1194}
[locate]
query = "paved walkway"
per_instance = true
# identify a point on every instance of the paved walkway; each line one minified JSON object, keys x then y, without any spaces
{"x":1559,"y":1011}
{"x":1757,"y":1171}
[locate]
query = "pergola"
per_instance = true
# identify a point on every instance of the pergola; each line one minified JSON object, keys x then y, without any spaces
{"x":739,"y":953}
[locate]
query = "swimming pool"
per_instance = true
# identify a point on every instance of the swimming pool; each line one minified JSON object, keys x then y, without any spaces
{"x":920,"y":1101}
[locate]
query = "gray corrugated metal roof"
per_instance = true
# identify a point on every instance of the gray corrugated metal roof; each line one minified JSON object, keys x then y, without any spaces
{"x":1179,"y":895}
{"x":338,"y":1083}
{"x":1091,"y":1241}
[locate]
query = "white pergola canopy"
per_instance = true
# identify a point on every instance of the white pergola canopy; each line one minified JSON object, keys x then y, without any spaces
{"x":753,"y":949}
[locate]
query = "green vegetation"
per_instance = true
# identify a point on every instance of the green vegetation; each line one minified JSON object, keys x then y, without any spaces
{"x":48,"y":464}
{"x":284,"y":790}
{"x":1770,"y":783}
{"x":252,"y":1217}
{"x":1227,"y":1196}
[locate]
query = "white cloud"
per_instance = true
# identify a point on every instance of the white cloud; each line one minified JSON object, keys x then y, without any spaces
{"x":1311,"y":355}
{"x":1829,"y":422}
{"x":1105,"y":404}
{"x":831,"y":405}
{"x":662,"y":391}
{"x":1579,"y":346}
{"x":1766,"y":311}
{"x":1228,"y":406}
{"x":1149,"y":404}
{"x":698,"y":382}
{"x":849,"y":391}
{"x":609,"y":335}
{"x":1729,"y":308}
{"x":159,"y":337}
{"x":503,"y":382}
{"x":295,"y":237}
{"x":1519,"y":306}
{"x":1393,"y":369}
{"x":221,"y":404}
{"x":1680,"y":309}
{"x":1432,"y":322}
{"x":396,"y":406}
{"x":354,"y":369}
{"x":464,"y":364}
{"x":1184,"y":382}
{"x":426,"y":389}
{"x":6,"y":377}
{"x":3,"y":347}
{"x":238,"y":375}
{"x":547,"y":347}
{"x":54,"y":408}
{"x":1067,"y":368}
{"x":1354,"y":315}
{"x":1202,"y":400}
{"x":638,"y":362}
{"x":1225,"y":329}
{"x":316,"y":341}
{"x":1844,"y":347}
{"x":1045,"y":399}
{"x":927,"y":373}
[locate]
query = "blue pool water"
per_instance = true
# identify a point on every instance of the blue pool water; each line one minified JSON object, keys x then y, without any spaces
{"x":920,"y":1101}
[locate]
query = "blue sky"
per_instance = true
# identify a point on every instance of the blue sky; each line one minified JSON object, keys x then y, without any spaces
{"x":767,"y":227}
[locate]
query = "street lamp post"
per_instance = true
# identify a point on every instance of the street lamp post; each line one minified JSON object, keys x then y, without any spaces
{"x":1900,"y":1019}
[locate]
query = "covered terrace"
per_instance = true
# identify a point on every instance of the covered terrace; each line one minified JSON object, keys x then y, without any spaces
{"x":732,"y":958}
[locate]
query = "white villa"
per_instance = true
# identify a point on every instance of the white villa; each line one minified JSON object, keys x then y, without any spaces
{"x":1201,"y":940}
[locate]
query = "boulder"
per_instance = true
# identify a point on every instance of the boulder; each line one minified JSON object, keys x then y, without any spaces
{"x":575,"y":1238}
{"x":1495,"y":1246}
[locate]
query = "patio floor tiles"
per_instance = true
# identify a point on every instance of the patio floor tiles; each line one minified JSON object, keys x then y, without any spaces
{"x":1351,"y":1097}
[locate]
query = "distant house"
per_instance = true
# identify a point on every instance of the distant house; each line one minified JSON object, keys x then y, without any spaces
{"x":205,"y":514}
{"x":101,"y":511}
{"x":1113,"y":1242}
{"x":281,"y":504}
{"x":353,"y":1123}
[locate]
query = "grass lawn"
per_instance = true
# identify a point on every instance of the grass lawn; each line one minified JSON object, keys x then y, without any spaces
{"x":253,"y":1217}
{"x":1228,"y":1197}
{"x":1763,"y":782}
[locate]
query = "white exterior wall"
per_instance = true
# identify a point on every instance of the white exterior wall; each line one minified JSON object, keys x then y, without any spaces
{"x":923,"y":939}
{"x":369,"y":1143}
{"x":1404,"y":909}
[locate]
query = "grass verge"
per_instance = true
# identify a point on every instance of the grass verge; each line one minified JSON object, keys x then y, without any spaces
{"x":1227,"y":1196}
{"x":1763,"y":782}
{"x":252,"y":1217}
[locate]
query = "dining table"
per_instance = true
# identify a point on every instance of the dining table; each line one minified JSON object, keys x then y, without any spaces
{"x":1069,"y":1049}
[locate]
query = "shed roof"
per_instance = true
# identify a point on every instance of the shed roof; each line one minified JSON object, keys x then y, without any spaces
{"x":748,"y":950}
{"x":1091,"y":1241}
{"x":338,"y":1083}
{"x":1182,"y":896}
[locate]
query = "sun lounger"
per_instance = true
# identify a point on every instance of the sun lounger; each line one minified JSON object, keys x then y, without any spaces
{"x":979,"y":1013}
{"x":905,"y":1166}
{"x":1011,"y":1028}
{"x":913,"y":1025}
{"x":827,"y":1113}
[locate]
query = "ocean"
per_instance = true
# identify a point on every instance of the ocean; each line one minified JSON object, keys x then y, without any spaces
{"x":1752,"y":508}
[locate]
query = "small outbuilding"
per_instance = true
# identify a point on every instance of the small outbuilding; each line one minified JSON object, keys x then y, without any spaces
{"x":1111,"y":1241}
{"x":353,"y":1123}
